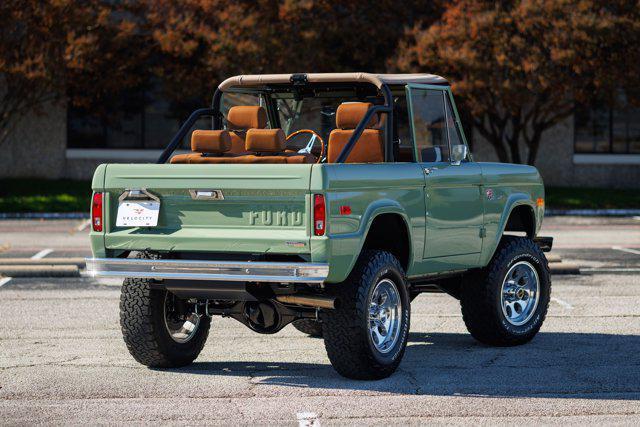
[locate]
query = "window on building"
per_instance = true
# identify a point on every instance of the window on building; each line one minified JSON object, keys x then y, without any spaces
{"x":140,"y":124}
{"x":144,"y":120}
{"x":608,"y":130}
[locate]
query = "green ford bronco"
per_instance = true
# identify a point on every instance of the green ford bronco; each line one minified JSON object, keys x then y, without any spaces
{"x":328,"y":201}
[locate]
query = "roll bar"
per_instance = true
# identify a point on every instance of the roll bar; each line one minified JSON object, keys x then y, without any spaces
{"x":214,"y":112}
{"x":184,"y":129}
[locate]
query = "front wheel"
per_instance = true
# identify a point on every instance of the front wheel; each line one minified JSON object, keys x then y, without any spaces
{"x":507,"y":303}
{"x":366,"y":335}
{"x":159,"y":329}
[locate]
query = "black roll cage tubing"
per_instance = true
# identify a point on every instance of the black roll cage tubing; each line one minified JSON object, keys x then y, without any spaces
{"x":214,"y":112}
{"x":184,"y":129}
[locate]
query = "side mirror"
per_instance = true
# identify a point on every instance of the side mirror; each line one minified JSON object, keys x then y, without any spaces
{"x":458,"y":153}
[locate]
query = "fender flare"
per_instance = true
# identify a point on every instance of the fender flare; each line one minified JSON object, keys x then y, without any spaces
{"x":513,"y":201}
{"x":375,"y":209}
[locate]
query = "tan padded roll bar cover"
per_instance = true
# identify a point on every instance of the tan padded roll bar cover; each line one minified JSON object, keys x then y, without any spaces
{"x":210,"y":141}
{"x":376,"y":79}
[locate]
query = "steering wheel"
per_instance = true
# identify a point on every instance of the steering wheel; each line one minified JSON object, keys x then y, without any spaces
{"x":311,"y":143}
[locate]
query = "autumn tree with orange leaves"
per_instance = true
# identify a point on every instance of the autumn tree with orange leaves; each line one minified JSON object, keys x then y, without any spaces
{"x":99,"y":54}
{"x":520,"y":66}
{"x":201,"y":42}
{"x":86,"y":52}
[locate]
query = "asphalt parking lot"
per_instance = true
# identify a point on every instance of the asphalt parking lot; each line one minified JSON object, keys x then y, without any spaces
{"x":62,"y":359}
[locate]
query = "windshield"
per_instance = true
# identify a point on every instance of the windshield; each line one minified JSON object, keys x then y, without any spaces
{"x":307,"y":116}
{"x":316,"y":112}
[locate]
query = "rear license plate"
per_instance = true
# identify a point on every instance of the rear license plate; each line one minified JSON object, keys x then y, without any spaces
{"x":138,"y":214}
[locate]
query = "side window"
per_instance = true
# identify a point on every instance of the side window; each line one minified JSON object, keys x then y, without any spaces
{"x":429,"y":125}
{"x":452,"y":128}
{"x":403,"y":142}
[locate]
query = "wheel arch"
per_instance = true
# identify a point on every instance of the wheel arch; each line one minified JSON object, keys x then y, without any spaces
{"x":376,"y":220}
{"x":519,"y":215}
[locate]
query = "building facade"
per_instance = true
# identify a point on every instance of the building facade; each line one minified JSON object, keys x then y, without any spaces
{"x":597,"y":148}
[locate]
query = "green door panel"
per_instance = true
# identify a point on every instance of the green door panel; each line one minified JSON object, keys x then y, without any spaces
{"x":454,"y":215}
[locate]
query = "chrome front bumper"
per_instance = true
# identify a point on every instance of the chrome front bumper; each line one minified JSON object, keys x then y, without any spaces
{"x":280,"y":272}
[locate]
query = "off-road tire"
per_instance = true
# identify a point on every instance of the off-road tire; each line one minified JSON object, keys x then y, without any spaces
{"x":481,"y":295}
{"x":310,"y":327}
{"x":346,"y":328}
{"x":144,"y":331}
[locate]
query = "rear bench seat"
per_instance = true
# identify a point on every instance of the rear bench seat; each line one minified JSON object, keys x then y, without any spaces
{"x":261,"y":145}
{"x":240,"y":119}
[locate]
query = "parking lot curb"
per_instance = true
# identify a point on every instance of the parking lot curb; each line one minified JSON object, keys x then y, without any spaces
{"x":40,"y":270}
{"x":44,"y":215}
{"x":79,"y":262}
{"x":564,"y":268}
{"x":592,"y":212}
{"x":553,"y":258}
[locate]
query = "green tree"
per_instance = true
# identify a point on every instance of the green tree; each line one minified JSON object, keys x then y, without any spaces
{"x":520,"y":66}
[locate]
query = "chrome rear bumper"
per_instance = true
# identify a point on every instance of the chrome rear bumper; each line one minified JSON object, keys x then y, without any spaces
{"x":280,"y":272}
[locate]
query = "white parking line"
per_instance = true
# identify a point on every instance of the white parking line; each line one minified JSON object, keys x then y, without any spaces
{"x":308,"y":419}
{"x":43,"y":253}
{"x":628,"y":250}
{"x":83,"y":225}
{"x":562,"y":303}
{"x":4,"y":281}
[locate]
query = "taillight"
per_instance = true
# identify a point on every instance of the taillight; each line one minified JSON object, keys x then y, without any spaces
{"x":319,"y":215}
{"x":96,"y":212}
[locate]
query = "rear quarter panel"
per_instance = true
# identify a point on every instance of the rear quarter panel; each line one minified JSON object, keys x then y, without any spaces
{"x":369,"y":190}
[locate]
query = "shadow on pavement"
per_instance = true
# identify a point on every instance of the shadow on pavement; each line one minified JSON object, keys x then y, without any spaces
{"x":553,"y":365}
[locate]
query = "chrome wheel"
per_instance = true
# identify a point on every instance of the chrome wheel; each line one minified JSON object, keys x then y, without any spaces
{"x":181,"y":327}
{"x":520,"y":293}
{"x":385,"y":315}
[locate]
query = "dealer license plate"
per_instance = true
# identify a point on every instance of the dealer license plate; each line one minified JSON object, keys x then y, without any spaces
{"x":138,"y":214}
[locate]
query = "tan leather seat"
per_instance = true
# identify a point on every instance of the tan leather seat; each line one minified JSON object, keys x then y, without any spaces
{"x":270,"y":143}
{"x":206,"y":143}
{"x":240,"y":119}
{"x":369,"y":148}
{"x":257,"y":145}
{"x":262,"y":145}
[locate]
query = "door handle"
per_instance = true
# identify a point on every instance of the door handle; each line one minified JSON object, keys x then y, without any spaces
{"x":206,"y":194}
{"x":428,"y":171}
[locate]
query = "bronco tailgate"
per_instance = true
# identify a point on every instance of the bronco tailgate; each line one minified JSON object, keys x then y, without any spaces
{"x":255,"y":208}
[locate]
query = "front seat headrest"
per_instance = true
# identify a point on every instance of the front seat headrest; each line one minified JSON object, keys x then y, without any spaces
{"x":210,"y":141}
{"x":349,"y":114}
{"x":244,"y":117}
{"x":265,"y":140}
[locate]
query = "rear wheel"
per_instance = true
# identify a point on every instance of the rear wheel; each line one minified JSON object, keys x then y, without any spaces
{"x":366,"y":335}
{"x":310,"y":327}
{"x":507,"y":303}
{"x":159,"y":329}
